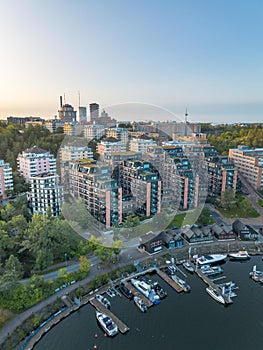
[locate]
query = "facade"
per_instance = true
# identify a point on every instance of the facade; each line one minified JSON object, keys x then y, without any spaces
{"x":66,"y":112}
{"x":101,"y":194}
{"x":249,"y":162}
{"x":110,"y":144}
{"x":94,"y":113}
{"x":94,"y":131}
{"x":82,"y":114}
{"x":141,"y":187}
{"x":53,"y":124}
{"x":121,"y":134}
{"x":116,"y":158}
{"x":74,"y":153}
{"x":168,"y":239}
{"x":180,"y":183}
{"x":46,"y":192}
{"x":6,"y":178}
{"x":23,"y":120}
{"x":245,"y":232}
{"x":195,"y":234}
{"x":141,"y":144}
{"x":34,"y":161}
{"x":133,"y":187}
{"x":223,"y":232}
{"x":73,"y":129}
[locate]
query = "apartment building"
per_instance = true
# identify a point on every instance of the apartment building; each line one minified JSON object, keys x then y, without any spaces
{"x":121,"y":134}
{"x":94,"y":131}
{"x":141,"y":144}
{"x":6,"y":178}
{"x":249,"y":162}
{"x":46,"y":192}
{"x":110,"y":144}
{"x":34,"y":161}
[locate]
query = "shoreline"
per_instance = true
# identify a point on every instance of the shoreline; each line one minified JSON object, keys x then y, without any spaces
{"x":178,"y":253}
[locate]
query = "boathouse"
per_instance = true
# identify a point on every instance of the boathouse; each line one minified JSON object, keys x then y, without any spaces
{"x":223,"y":232}
{"x":244,"y":231}
{"x":197,"y":234}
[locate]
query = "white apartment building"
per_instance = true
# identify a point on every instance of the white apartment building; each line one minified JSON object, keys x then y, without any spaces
{"x":6,"y":178}
{"x":74,"y":153}
{"x":121,"y":134}
{"x":46,"y":192}
{"x":94,"y":131}
{"x":141,"y":144}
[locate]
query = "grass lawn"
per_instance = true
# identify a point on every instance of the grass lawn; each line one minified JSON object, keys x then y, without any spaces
{"x":242,"y":209}
{"x":260,"y":202}
{"x":177,"y":221}
{"x":5,"y":316}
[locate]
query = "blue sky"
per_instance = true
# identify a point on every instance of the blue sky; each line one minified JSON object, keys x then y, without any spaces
{"x":206,"y":55}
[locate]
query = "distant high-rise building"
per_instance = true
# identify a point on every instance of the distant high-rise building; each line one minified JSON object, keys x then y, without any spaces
{"x":66,"y":112}
{"x":94,"y":112}
{"x":82,"y":114}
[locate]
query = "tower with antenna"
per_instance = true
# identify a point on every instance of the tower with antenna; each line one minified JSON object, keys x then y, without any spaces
{"x":186,"y":123}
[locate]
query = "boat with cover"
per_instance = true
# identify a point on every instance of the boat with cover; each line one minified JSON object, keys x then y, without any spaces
{"x":210,"y":259}
{"x":107,"y":324}
{"x":228,"y":285}
{"x":139,"y":302}
{"x":240,"y":255}
{"x":146,"y":290}
{"x":181,"y":283}
{"x":125,"y":291}
{"x":104,"y":301}
{"x":188,"y":266}
{"x":215,"y":295}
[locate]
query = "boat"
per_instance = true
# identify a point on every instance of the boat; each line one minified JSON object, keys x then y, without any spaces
{"x":210,"y":259}
{"x":211,"y":270}
{"x":215,"y":295}
{"x":104,"y":301}
{"x":155,"y":286}
{"x":181,"y":283}
{"x":188,"y":266}
{"x":107,"y":324}
{"x":139,"y":302}
{"x":125,"y":291}
{"x":256,"y":275}
{"x":146,"y":290}
{"x":240,"y":255}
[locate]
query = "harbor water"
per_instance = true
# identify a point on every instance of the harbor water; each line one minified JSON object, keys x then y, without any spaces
{"x":181,"y":321}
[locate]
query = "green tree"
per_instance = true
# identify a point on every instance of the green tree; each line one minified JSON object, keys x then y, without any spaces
{"x":85,"y":264}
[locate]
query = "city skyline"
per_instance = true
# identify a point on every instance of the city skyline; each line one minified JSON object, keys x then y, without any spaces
{"x":204,"y":56}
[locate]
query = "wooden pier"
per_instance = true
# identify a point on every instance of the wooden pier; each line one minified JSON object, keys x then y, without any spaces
{"x":121,"y":326}
{"x":210,"y":283}
{"x":146,"y":301}
{"x":168,"y":280}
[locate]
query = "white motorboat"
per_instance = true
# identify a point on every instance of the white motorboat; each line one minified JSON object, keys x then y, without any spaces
{"x":139,"y":302}
{"x":215,"y":295}
{"x":104,"y":301}
{"x":188,"y":266}
{"x":146,"y":290}
{"x":240,"y":255}
{"x":186,"y":288}
{"x":107,"y":324}
{"x":210,"y":259}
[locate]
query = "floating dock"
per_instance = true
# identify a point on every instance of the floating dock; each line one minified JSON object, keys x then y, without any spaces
{"x":207,"y":280}
{"x":168,"y":280}
{"x":121,"y":326}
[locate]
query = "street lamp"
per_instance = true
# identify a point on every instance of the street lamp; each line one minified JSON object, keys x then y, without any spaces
{"x":66,"y":259}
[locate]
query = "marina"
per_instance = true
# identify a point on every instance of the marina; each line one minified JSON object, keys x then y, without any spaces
{"x":156,"y":326}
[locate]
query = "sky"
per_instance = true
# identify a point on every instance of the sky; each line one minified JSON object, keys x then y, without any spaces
{"x":204,"y":55}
